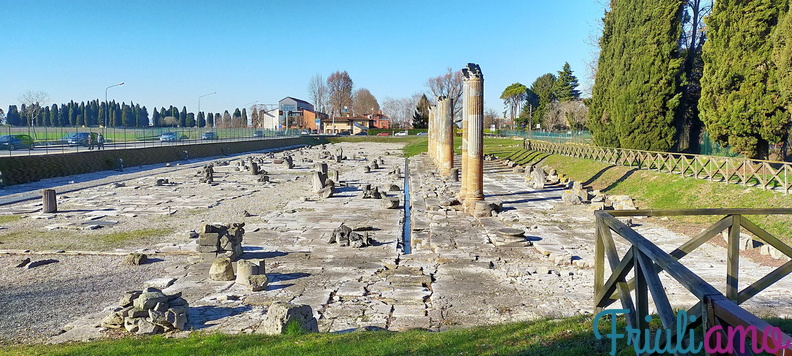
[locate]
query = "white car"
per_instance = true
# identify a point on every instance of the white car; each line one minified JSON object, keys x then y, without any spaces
{"x":403,"y":133}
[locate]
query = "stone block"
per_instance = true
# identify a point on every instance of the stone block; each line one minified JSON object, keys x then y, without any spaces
{"x":221,"y":270}
{"x":280,"y":314}
{"x":208,"y":239}
{"x":258,"y":282}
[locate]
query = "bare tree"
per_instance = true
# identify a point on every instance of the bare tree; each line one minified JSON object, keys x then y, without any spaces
{"x":448,"y":85}
{"x":569,"y":114}
{"x":490,"y":119}
{"x":317,"y":90}
{"x":363,"y":102}
{"x":33,"y":101}
{"x":400,"y":111}
{"x":339,"y":86}
{"x":2,"y":117}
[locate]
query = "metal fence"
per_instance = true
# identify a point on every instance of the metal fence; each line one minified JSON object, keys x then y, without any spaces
{"x":48,"y":140}
{"x":748,"y":172}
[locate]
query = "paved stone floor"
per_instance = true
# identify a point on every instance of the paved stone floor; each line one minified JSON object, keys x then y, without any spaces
{"x":461,"y":271}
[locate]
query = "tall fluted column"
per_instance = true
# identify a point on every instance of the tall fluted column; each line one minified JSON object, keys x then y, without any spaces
{"x":430,"y":133}
{"x":445,"y":135}
{"x":463,"y":158}
{"x":475,"y":135}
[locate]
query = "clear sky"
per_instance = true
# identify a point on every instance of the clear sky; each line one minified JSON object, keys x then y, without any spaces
{"x":170,"y":52}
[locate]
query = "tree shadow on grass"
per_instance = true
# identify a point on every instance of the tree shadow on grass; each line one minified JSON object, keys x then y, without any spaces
{"x":621,"y":179}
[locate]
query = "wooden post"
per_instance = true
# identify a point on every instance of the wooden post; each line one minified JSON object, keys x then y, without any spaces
{"x":49,"y":200}
{"x":733,"y":259}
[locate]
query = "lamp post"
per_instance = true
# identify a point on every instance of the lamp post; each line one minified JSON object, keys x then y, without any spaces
{"x":199,"y":101}
{"x":107,"y":107}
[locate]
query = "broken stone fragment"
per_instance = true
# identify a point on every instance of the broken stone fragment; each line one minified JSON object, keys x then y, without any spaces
{"x":280,"y":314}
{"x":258,"y":282}
{"x":148,"y":300}
{"x":128,"y":298}
{"x":221,"y":270}
{"x":146,"y":327}
{"x":114,"y":320}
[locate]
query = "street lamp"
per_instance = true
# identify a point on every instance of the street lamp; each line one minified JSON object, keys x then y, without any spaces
{"x":199,"y":101}
{"x":107,"y":106}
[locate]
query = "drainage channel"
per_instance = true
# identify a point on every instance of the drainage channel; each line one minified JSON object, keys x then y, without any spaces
{"x":406,"y":242}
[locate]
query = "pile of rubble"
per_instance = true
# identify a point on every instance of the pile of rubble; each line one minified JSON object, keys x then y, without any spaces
{"x":148,"y":312}
{"x":598,"y":201}
{"x":344,"y":236}
{"x":217,"y":240}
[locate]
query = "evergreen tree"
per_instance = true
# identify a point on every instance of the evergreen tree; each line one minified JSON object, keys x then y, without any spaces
{"x":163,"y":114}
{"x":210,"y":120}
{"x":201,"y":121}
{"x":190,"y":120}
{"x":183,"y":117}
{"x":44,"y":117}
{"x":155,"y":117}
{"x":420,"y":119}
{"x":81,"y":114}
{"x":635,"y":95}
{"x":64,"y":116}
{"x":117,"y":115}
{"x":740,"y":103}
{"x":512,"y":97}
{"x":236,"y":119}
{"x":782,"y":57}
{"x":143,"y":117}
{"x":12,"y":117}
{"x":565,"y":85}
{"x":244,"y":118}
{"x":543,"y":88}
{"x":54,"y":119}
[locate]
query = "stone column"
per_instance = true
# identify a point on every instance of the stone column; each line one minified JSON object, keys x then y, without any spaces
{"x":430,"y":133}
{"x":463,"y":158}
{"x":475,"y":135}
{"x":49,"y":201}
{"x":445,"y":135}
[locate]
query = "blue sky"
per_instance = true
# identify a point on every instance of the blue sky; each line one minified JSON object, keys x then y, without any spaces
{"x":170,"y":52}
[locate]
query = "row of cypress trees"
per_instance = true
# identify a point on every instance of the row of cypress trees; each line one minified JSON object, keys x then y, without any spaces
{"x":656,"y":90}
{"x":95,"y":113}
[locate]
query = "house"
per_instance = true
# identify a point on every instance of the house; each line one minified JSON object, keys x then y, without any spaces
{"x":352,"y":124}
{"x":300,"y":114}
{"x":379,"y":121}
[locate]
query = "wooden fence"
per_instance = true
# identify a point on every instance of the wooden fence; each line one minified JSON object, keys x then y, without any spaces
{"x":646,"y":260}
{"x":748,"y":172}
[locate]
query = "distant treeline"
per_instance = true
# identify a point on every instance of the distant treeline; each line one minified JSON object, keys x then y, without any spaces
{"x":97,"y":113}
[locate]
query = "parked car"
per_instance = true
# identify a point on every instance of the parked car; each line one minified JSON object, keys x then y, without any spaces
{"x":13,"y":142}
{"x":209,"y":136}
{"x":383,"y":134}
{"x":169,"y":137}
{"x":258,"y":134}
{"x":403,"y":133}
{"x":362,"y":133}
{"x":27,"y":141}
{"x":343,"y":133}
{"x":79,"y":139}
{"x":304,"y":132}
{"x":421,"y":134}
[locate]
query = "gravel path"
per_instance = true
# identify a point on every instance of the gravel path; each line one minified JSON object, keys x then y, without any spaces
{"x":37,"y":303}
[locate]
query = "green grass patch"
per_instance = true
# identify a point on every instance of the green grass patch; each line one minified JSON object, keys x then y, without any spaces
{"x":660,"y":190}
{"x":6,"y":219}
{"x":121,"y":237}
{"x":571,"y":336}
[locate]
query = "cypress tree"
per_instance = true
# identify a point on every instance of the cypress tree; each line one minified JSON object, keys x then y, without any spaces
{"x":190,"y":120}
{"x":210,"y":120}
{"x":155,"y":117}
{"x":201,"y":121}
{"x":142,"y":117}
{"x":636,"y":95}
{"x":244,"y":118}
{"x":12,"y":117}
{"x":782,"y":57}
{"x":565,"y":86}
{"x":183,"y":117}
{"x":54,"y":119}
{"x":740,"y":98}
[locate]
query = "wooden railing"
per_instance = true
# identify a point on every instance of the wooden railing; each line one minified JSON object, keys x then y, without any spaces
{"x":646,"y":260}
{"x":748,"y":172}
